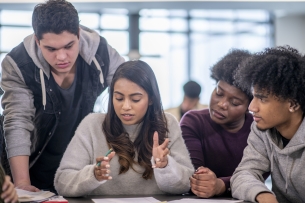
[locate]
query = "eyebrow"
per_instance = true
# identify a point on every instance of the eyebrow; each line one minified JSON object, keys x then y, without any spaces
{"x":260,"y":96}
{"x":69,"y":44}
{"x":134,"y":94}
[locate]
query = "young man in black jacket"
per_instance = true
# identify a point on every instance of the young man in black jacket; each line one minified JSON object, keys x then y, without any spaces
{"x":51,"y":82}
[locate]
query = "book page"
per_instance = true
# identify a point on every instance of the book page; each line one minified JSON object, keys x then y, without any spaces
{"x":27,"y":196}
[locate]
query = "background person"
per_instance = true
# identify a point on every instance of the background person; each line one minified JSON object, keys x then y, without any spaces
{"x":276,"y":142}
{"x":51,"y":81}
{"x":191,"y":100}
{"x":149,"y":156}
{"x":216,"y":137}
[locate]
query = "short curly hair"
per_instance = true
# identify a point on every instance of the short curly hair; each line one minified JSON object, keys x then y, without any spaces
{"x":279,"y":71}
{"x":227,"y":66}
{"x":55,"y":16}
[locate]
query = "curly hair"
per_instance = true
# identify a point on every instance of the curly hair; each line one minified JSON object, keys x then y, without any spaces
{"x":279,"y":71}
{"x":227,"y":66}
{"x":55,"y":16}
{"x":141,"y":74}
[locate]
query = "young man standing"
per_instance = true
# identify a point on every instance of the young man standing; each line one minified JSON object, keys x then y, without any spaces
{"x":51,"y":81}
{"x":277,"y":139}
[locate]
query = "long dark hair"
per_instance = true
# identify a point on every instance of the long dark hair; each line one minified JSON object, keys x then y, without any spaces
{"x":141,"y":74}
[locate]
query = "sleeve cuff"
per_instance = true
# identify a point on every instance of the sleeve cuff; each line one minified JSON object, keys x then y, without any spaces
{"x":226,"y":181}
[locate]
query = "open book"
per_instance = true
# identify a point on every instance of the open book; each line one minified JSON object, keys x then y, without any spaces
{"x":26,"y":196}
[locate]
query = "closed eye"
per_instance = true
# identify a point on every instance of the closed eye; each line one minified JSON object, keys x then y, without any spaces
{"x":68,"y":47}
{"x":234,"y":104}
{"x":134,"y":100}
{"x":51,"y":49}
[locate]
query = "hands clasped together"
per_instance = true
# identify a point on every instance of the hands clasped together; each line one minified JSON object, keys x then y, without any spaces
{"x":204,"y":183}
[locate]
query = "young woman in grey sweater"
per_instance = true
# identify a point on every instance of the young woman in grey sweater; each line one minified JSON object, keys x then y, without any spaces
{"x":149,"y":156}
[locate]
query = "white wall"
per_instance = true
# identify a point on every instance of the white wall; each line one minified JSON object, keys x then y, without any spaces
{"x":290,"y":30}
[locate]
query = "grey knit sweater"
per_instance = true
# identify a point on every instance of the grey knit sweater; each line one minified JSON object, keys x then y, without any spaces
{"x":75,"y":175}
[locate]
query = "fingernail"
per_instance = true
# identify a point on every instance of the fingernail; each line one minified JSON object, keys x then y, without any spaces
{"x":109,"y":178}
{"x":157,"y":159}
{"x":153,"y":166}
{"x":108,"y":171}
{"x":106,"y":158}
{"x":107,"y":166}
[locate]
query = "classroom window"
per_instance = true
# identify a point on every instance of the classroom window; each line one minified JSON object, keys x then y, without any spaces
{"x":187,"y":43}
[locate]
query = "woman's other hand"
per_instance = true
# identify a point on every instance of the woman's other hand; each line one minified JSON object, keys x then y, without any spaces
{"x":102,"y":170}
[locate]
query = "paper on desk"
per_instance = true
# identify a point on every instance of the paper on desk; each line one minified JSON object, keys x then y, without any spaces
{"x":27,"y":196}
{"x":205,"y":201}
{"x":127,"y":200}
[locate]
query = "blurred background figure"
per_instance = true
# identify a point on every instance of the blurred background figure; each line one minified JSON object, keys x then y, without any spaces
{"x":190,"y":101}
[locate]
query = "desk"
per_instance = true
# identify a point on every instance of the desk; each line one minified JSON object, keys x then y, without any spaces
{"x":158,"y":197}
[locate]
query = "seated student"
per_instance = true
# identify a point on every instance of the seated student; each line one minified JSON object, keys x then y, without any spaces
{"x":216,"y":137}
{"x":7,"y":190}
{"x":276,"y":142}
{"x":190,"y":101}
{"x":149,"y":156}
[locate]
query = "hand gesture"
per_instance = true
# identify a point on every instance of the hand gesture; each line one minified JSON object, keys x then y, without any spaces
{"x":102,"y":171}
{"x":204,"y":183}
{"x":9,"y":194}
{"x":160,"y":152}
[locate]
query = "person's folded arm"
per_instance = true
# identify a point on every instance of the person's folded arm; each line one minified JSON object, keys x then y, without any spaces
{"x":75,"y":174}
{"x":248,"y":181}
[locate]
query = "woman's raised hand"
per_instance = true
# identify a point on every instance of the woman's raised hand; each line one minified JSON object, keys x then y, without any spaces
{"x":160,"y":152}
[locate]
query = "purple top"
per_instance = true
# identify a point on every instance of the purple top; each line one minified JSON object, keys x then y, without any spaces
{"x":212,"y":146}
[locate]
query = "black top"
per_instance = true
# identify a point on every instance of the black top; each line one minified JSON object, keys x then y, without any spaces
{"x":285,"y":141}
{"x":42,"y":173}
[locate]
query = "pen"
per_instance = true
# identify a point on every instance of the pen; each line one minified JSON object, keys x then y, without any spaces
{"x":109,"y":151}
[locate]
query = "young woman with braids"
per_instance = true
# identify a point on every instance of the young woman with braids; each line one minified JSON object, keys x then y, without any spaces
{"x":149,"y":156}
